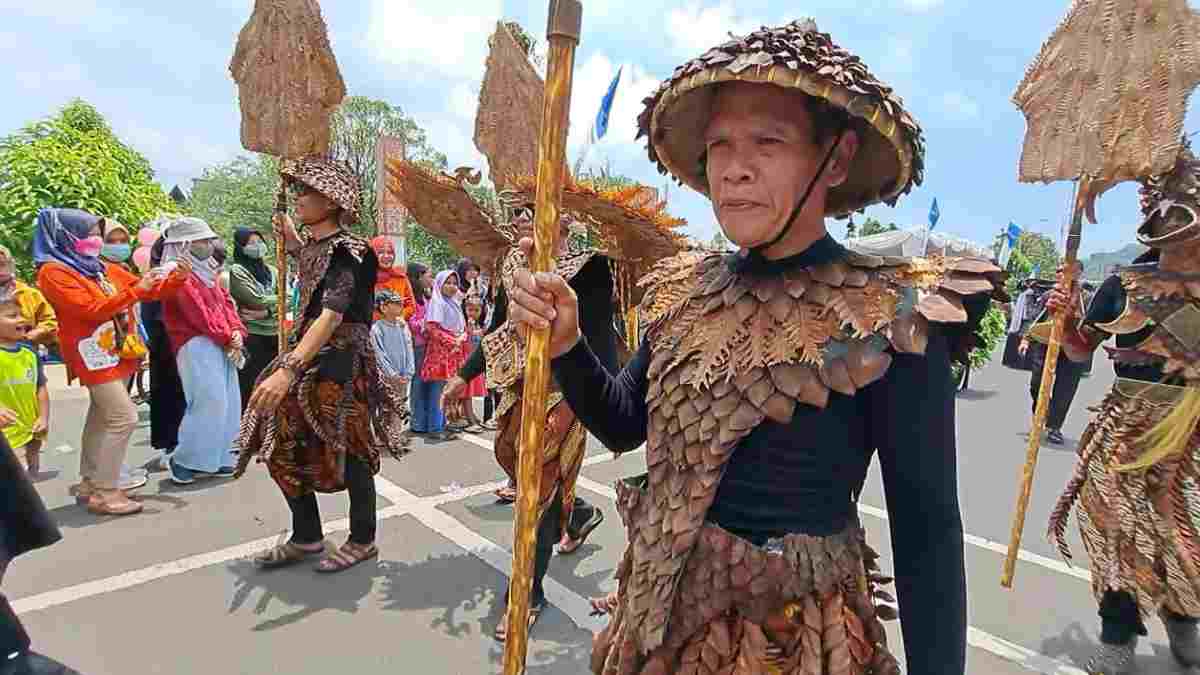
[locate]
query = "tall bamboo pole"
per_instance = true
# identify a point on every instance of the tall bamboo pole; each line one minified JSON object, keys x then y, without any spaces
{"x":281,"y":267}
{"x":562,"y":32}
{"x":1046,"y":388}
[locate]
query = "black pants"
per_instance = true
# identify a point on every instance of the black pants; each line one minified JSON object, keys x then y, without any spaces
{"x":549,"y":533}
{"x":489,"y":405}
{"x":1120,"y":620}
{"x":306,"y":517}
{"x":167,"y":402}
{"x":260,"y":351}
{"x":1066,"y":383}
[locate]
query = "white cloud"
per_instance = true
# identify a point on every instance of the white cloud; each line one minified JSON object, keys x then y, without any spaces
{"x":959,"y":107}
{"x":592,"y":80}
{"x":464,"y":101}
{"x":432,"y":38}
{"x":172,"y":153}
{"x":695,"y":28}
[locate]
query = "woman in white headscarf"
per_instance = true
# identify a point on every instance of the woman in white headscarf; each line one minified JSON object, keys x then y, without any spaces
{"x":207,"y":337}
{"x":445,"y":348}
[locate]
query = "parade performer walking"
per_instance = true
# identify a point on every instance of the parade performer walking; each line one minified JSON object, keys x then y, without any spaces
{"x":1136,"y":477}
{"x":321,"y":413}
{"x":562,"y":510}
{"x":767,"y":378}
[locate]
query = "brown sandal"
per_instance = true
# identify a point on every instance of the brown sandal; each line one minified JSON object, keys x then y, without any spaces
{"x":346,"y":556}
{"x":501,"y":633}
{"x":111,"y":503}
{"x":286,"y":554}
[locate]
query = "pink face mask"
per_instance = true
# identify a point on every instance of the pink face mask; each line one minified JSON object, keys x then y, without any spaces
{"x":89,"y":247}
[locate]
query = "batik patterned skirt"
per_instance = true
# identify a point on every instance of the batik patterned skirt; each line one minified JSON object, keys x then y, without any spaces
{"x":799,"y":605}
{"x":326,"y":416}
{"x":564,"y":441}
{"x":1139,"y":527}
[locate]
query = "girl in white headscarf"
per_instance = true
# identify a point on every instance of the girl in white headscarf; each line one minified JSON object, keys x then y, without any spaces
{"x":445,"y":346}
{"x":207,"y":337}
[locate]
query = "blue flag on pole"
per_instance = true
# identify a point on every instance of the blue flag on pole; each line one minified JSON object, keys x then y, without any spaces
{"x":1014,"y":233}
{"x":601,"y":126}
{"x":934,"y":214}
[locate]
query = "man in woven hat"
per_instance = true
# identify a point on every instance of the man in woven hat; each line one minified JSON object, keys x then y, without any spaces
{"x":1137,"y":475}
{"x":566,"y":518}
{"x":768,"y":377}
{"x":330,"y":365}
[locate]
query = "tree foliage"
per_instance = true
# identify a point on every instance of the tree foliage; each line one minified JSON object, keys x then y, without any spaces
{"x":72,"y":160}
{"x":239,"y":193}
{"x":356,"y":127}
{"x":1034,"y":252}
{"x":872,"y":226}
{"x":993,"y":330}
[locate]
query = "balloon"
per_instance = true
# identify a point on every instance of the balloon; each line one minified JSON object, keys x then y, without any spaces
{"x":147,"y":236}
{"x":141,"y":258}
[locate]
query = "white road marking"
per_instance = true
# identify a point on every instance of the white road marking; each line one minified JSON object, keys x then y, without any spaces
{"x":426,"y":511}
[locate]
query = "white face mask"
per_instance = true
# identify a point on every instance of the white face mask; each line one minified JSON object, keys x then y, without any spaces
{"x":201,"y":250}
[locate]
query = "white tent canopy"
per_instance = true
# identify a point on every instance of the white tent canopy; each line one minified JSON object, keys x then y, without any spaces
{"x":907,"y":243}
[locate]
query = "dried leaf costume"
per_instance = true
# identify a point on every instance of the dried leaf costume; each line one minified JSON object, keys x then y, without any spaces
{"x":1137,"y":480}
{"x":761,"y":392}
{"x":341,"y":403}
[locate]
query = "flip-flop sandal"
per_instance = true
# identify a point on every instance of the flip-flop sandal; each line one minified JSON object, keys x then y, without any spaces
{"x":573,"y":545}
{"x":285,"y":554}
{"x":506,"y":495}
{"x":501,"y":633}
{"x":348,"y":555}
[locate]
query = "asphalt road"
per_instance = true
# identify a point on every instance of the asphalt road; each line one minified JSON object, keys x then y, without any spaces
{"x":171,"y":590}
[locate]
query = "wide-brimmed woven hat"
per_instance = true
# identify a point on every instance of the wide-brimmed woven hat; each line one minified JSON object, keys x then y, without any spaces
{"x":890,"y":159}
{"x":332,"y":178}
{"x":1174,"y":195}
{"x":188,"y":229}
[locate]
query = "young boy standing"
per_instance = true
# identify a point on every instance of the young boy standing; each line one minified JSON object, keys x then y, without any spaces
{"x":393,"y":345}
{"x":24,"y":396}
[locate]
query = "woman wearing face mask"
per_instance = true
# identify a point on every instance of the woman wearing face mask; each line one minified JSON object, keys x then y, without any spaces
{"x":98,"y":338}
{"x":117,"y":251}
{"x":252,"y":285}
{"x":208,"y":338}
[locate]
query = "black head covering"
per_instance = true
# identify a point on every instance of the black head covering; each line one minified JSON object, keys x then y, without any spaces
{"x":258,"y":268}
{"x":415,"y":271}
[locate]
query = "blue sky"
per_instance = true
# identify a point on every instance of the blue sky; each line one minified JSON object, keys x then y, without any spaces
{"x":159,"y":72}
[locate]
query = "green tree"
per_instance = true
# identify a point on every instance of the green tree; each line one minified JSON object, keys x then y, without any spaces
{"x":992,"y":332}
{"x":719,"y":242}
{"x":872,"y":226}
{"x":1034,"y":251}
{"x":238,"y":193}
{"x":356,"y":127}
{"x":72,"y":160}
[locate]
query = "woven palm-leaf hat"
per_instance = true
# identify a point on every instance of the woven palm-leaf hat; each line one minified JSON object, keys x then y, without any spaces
{"x":890,"y":158}
{"x":332,"y":178}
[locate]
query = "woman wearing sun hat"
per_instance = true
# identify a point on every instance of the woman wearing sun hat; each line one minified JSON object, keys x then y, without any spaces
{"x":768,"y":377}
{"x":321,"y":412}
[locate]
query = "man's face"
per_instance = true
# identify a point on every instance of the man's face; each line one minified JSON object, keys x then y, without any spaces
{"x":760,"y":157}
{"x":311,"y":206}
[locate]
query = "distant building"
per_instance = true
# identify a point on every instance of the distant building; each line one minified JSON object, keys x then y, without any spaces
{"x":178,"y":196}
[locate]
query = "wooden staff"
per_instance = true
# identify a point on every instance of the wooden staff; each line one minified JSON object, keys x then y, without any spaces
{"x":562,"y":32}
{"x":281,"y":267}
{"x":1046,"y":389}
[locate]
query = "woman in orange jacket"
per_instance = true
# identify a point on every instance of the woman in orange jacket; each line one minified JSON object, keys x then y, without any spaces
{"x":99,"y":341}
{"x":391,"y":278}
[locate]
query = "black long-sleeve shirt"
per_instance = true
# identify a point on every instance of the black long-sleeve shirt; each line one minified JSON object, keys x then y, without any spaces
{"x":593,"y":286}
{"x":802,"y":477}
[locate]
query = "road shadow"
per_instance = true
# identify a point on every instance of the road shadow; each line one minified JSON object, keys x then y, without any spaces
{"x":1075,"y":646}
{"x":300,"y":586}
{"x":587,"y":585}
{"x":453,"y":585}
{"x":75,"y":516}
{"x":1069,"y":443}
{"x":976,"y":394}
{"x":494,"y":511}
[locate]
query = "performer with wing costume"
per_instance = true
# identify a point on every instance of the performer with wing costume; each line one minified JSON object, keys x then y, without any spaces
{"x":1137,"y":481}
{"x":632,"y":233}
{"x":768,"y":377}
